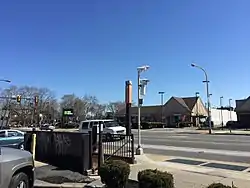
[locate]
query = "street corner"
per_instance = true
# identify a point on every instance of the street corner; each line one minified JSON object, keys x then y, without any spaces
{"x":158,"y":158}
{"x":150,"y":158}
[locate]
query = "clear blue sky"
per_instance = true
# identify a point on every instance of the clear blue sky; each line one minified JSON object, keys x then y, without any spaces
{"x":93,"y":46}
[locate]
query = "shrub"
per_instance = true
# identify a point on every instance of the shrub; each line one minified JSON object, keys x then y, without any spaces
{"x":115,"y":173}
{"x":146,"y":125}
{"x":219,"y":185}
{"x":155,"y":179}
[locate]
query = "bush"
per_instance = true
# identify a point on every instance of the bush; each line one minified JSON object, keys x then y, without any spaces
{"x":115,"y":173}
{"x":146,"y":125}
{"x":219,"y":185}
{"x":155,"y":179}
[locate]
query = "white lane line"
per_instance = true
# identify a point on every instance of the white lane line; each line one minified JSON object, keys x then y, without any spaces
{"x":188,"y":138}
{"x":199,"y":142}
{"x":197,"y":150}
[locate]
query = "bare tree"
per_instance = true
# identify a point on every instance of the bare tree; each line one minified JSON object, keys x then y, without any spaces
{"x":114,"y":107}
{"x":74,"y":102}
{"x":24,"y":111}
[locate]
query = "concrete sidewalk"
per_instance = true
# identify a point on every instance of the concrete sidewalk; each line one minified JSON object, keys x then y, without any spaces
{"x":185,"y":176}
{"x":189,"y":176}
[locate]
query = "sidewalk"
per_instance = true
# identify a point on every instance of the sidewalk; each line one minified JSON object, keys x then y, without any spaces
{"x":185,"y":176}
{"x":191,"y":177}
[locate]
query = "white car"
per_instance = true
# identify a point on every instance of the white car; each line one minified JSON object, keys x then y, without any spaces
{"x":108,"y":126}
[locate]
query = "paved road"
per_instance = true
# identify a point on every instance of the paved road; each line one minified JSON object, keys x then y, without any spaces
{"x":230,"y":148}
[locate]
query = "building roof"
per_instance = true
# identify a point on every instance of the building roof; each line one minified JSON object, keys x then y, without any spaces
{"x":144,"y":110}
{"x":187,"y":103}
{"x":241,"y":105}
{"x":190,"y":101}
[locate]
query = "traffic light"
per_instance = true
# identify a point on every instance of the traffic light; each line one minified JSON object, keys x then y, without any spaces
{"x":36,"y":100}
{"x":18,"y":98}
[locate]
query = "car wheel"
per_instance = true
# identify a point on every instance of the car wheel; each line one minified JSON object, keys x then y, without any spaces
{"x":19,"y":180}
{"x":122,"y":137}
{"x":109,"y":137}
{"x":21,"y":146}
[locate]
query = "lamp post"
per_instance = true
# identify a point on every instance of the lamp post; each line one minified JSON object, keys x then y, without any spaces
{"x":221,"y":112}
{"x":230,"y":112}
{"x":208,"y":96}
{"x":197,"y":108}
{"x":161,"y":93}
{"x":3,"y":80}
{"x":139,"y":150}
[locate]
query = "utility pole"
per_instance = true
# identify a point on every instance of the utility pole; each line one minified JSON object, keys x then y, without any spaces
{"x":221,"y":112}
{"x":208,"y":96}
{"x":161,"y":93}
{"x":230,"y":111}
{"x":141,"y":87}
{"x":197,"y":109}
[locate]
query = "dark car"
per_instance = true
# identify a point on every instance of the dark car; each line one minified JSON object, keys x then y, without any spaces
{"x":12,"y":138}
{"x":233,"y":125}
{"x":47,"y":127}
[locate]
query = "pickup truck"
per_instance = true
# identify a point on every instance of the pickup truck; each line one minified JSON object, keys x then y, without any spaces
{"x":16,"y":168}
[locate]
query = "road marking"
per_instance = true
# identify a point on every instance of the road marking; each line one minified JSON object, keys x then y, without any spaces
{"x":199,"y":142}
{"x":197,"y":150}
{"x":204,"y":139}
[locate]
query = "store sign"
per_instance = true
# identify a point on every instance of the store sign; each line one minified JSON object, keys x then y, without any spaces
{"x":68,"y":112}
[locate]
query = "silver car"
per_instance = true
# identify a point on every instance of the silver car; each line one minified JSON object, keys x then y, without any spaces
{"x":16,"y":168}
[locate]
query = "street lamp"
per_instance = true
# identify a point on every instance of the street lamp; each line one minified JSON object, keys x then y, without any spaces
{"x":197,"y":108}
{"x":161,"y":93}
{"x":141,"y":84}
{"x":208,"y":96}
{"x":221,"y":112}
{"x":230,"y":112}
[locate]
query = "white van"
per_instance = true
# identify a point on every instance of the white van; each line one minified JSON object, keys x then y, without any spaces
{"x":108,"y":126}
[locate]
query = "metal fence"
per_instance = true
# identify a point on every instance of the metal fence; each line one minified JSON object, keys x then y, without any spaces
{"x":118,"y":146}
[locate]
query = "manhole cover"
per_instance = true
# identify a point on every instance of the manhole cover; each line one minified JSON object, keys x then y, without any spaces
{"x":186,"y":161}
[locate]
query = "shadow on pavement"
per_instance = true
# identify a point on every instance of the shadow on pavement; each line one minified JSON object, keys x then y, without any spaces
{"x":56,"y":175}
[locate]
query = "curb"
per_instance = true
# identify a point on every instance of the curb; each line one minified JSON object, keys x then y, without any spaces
{"x":64,"y":185}
{"x":40,"y":184}
{"x":231,"y":134}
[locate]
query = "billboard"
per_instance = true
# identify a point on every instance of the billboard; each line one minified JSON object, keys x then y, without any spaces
{"x":68,"y":112}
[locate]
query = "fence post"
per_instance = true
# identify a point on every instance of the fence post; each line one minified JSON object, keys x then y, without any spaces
{"x":133,"y":148}
{"x":90,"y":150}
{"x":33,"y":145}
{"x":100,"y":152}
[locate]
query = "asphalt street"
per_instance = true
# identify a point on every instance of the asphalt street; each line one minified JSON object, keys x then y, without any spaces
{"x":229,"y":148}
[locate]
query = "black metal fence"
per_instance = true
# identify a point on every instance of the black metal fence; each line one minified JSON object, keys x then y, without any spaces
{"x":118,"y":146}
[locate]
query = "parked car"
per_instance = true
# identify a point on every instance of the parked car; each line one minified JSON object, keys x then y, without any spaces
{"x":17,"y":168}
{"x":12,"y":138}
{"x":110,"y":128}
{"x":233,"y":125}
{"x":47,"y":127}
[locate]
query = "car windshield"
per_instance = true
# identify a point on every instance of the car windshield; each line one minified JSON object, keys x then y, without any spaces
{"x":111,"y":124}
{"x":85,"y":125}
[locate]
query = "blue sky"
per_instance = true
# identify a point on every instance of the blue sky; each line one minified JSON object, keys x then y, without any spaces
{"x":94,"y":46}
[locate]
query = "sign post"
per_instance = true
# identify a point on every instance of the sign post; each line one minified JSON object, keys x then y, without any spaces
{"x":128,"y":101}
